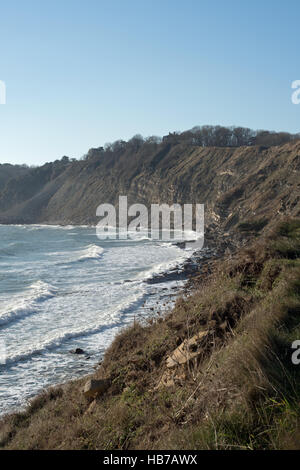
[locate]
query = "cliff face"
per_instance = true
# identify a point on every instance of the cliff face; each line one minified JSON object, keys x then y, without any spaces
{"x":236,"y":185}
{"x":8,"y":171}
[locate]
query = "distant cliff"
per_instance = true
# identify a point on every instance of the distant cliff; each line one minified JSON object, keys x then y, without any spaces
{"x":8,"y":171}
{"x":236,"y":184}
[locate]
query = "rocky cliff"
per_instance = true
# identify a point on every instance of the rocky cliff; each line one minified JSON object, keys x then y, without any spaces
{"x":237,"y":185}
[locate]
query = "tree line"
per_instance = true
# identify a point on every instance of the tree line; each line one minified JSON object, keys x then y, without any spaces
{"x":220,"y":136}
{"x":203,"y":136}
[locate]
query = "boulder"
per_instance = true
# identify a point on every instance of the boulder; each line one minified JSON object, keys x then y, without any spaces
{"x":189,"y":349}
{"x":95,"y":387}
{"x":172,"y":377}
{"x":91,"y":407}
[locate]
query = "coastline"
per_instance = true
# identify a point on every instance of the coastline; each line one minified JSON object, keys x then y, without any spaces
{"x":148,"y":397}
{"x":178,"y":275}
{"x":188,"y":273}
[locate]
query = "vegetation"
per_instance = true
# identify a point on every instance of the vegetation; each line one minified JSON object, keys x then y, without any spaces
{"x":252,"y":226}
{"x":236,"y":182}
{"x":8,"y":172}
{"x":203,"y":136}
{"x":242,"y":391}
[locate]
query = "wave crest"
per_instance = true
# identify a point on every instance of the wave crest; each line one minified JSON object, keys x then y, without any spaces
{"x":37,"y":292}
{"x":91,"y":252}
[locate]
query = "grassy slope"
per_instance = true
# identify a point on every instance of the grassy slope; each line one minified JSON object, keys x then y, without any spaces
{"x":242,"y":392}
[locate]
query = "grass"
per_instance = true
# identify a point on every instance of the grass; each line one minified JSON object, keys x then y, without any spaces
{"x":252,"y":226}
{"x":242,"y":392}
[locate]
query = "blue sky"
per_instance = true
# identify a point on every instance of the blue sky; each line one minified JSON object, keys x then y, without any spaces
{"x":82,"y":73}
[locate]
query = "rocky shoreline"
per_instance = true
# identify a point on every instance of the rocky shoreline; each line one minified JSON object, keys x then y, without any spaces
{"x":189,"y":274}
{"x":192,"y":271}
{"x":201,"y":261}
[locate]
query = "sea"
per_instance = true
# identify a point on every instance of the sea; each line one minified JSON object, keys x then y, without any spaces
{"x":61,"y":288}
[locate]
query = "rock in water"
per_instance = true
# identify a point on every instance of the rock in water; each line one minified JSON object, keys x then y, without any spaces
{"x":95,"y":387}
{"x":77,"y":351}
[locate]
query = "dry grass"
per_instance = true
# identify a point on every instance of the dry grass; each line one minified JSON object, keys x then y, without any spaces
{"x":242,"y":392}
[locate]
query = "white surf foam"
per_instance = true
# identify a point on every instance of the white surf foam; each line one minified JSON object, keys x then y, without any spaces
{"x":167,"y":266}
{"x":91,"y":252}
{"x":22,"y":307}
{"x":113,"y":319}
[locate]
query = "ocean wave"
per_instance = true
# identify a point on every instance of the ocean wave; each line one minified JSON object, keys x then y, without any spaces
{"x":91,"y":252}
{"x":108,"y":316}
{"x":33,"y":227}
{"x":128,"y":240}
{"x":166,"y":266}
{"x":12,"y":249}
{"x":38,"y":292}
{"x":118,"y":318}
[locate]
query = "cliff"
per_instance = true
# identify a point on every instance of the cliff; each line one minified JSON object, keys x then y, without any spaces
{"x":237,"y":185}
{"x":8,"y":171}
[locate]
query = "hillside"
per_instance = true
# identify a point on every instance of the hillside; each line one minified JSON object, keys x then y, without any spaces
{"x":8,"y":172}
{"x":236,"y":184}
{"x":216,"y":372}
